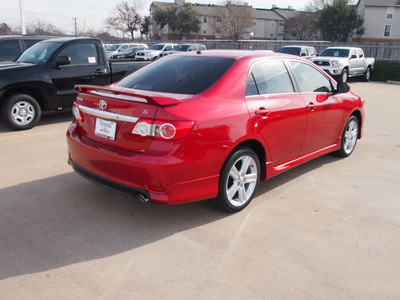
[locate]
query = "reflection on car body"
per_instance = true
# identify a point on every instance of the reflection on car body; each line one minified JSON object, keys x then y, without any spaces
{"x":212,"y":126}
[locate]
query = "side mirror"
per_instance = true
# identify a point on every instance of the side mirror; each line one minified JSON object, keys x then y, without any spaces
{"x":303,"y":54}
{"x":343,"y":87}
{"x":62,"y":61}
{"x":353,"y":56}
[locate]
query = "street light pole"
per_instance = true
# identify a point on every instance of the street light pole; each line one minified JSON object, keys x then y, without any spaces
{"x":23,"y":29}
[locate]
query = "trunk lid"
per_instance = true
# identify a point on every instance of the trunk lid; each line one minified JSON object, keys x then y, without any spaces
{"x":110,"y":114}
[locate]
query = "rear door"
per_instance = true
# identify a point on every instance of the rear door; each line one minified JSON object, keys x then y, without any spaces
{"x":87,"y":67}
{"x":324,"y":109}
{"x":276,"y":110}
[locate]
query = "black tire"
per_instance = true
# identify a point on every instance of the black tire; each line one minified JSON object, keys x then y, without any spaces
{"x":367,"y":75}
{"x":344,"y":76}
{"x":20,"y":112}
{"x":238,"y":181}
{"x":349,"y":137}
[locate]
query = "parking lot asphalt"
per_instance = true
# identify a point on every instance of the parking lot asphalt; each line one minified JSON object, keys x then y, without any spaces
{"x":328,"y":229}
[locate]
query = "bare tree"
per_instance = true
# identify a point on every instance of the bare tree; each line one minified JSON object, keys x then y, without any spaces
{"x":303,"y":26}
{"x":5,"y":29}
{"x":235,"y":18}
{"x":317,"y":5}
{"x":42,"y":27}
{"x":125,"y":18}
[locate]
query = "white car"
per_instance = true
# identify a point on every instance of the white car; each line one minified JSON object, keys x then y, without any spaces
{"x":118,"y":48}
{"x":154,"y":51}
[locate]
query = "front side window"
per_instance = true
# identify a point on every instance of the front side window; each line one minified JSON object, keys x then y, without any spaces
{"x":81,"y":54}
{"x":177,"y":74}
{"x":269,"y":78}
{"x":309,"y":79}
{"x":388,"y":29}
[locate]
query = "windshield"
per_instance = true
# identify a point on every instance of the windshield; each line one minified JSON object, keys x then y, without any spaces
{"x":180,"y":48}
{"x":177,"y":74}
{"x":113,"y":48}
{"x":335,"y":52}
{"x":39,"y":53}
{"x":129,"y":50}
{"x":289,"y":50}
{"x":156,"y":47}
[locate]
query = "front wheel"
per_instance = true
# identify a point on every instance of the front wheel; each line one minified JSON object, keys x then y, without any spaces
{"x":20,"y":112}
{"x":239,"y":180}
{"x":344,"y":76}
{"x":349,"y":137}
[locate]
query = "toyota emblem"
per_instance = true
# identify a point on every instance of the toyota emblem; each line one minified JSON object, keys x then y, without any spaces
{"x":103,"y":104}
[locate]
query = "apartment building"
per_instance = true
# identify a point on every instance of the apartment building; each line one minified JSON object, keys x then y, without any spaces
{"x":268,"y":24}
{"x":381,"y":20}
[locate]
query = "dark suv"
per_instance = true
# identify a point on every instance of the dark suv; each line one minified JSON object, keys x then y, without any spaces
{"x":11,"y":46}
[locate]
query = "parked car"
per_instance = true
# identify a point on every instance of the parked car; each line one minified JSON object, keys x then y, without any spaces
{"x":345,"y":62}
{"x":43,"y":78}
{"x":128,"y":53}
{"x":303,"y":51}
{"x":11,"y":46}
{"x":153,"y":52}
{"x":119,"y":48}
{"x":211,"y":127}
{"x":183,"y":48}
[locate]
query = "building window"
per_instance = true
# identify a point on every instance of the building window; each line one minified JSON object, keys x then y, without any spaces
{"x":219,"y":19}
{"x":218,"y":30}
{"x":388,"y":29}
{"x":205,"y":20}
{"x":281,"y":23}
{"x":390,"y":13}
{"x":204,"y":31}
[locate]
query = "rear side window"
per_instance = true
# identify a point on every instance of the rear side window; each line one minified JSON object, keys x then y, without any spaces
{"x":177,"y":74}
{"x":309,"y":79}
{"x":9,"y":50}
{"x":269,"y":78}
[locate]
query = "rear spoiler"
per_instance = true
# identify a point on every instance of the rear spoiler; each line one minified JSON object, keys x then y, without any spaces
{"x":157,"y":98}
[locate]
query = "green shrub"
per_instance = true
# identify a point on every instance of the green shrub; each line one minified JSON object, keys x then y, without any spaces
{"x":386,"y":70}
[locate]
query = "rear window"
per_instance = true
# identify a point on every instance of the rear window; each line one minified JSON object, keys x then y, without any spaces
{"x":177,"y":74}
{"x":289,"y":50}
{"x":9,"y":50}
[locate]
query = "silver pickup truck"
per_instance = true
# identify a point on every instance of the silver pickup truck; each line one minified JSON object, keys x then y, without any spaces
{"x":345,"y":62}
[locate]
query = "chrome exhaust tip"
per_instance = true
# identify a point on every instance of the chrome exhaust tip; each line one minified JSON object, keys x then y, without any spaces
{"x":143,"y":198}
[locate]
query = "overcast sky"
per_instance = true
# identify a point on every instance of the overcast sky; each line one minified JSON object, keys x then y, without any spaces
{"x":91,"y":14}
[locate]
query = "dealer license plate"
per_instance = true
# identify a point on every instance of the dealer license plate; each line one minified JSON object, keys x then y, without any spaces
{"x":106,"y":128}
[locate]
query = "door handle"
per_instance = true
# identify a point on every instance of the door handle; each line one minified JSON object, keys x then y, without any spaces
{"x":100,"y":71}
{"x":311,"y":106}
{"x":262,"y":112}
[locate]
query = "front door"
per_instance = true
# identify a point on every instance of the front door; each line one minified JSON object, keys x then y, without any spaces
{"x":277,"y":112}
{"x":85,"y":68}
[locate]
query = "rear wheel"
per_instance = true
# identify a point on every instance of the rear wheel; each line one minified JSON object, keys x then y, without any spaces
{"x":349,"y":137}
{"x":20,"y":112}
{"x":239,"y":180}
{"x":367,"y":74}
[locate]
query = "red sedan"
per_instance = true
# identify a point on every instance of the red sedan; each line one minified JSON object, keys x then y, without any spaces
{"x":210,"y":125}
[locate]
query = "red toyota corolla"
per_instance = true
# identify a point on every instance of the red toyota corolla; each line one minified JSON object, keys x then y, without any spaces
{"x":210,"y":125}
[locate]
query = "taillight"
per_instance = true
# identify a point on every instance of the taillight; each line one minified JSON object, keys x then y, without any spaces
{"x":76,"y":112}
{"x":163,"y":129}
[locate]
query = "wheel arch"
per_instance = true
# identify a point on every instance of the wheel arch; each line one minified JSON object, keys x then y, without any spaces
{"x":35,"y":92}
{"x":358,"y":115}
{"x":259,"y":149}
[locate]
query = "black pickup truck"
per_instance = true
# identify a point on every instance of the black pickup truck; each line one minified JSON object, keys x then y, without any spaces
{"x":44,"y":76}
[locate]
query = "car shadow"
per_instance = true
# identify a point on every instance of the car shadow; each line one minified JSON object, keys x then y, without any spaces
{"x":63,"y":220}
{"x":66,"y":219}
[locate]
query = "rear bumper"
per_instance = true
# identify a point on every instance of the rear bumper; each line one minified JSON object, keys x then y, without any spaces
{"x":163,"y":178}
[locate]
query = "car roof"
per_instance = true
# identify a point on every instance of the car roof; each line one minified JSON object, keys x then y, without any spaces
{"x":235,"y":54}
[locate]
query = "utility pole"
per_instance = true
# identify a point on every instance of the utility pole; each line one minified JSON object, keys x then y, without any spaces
{"x":23,"y":29}
{"x":76,"y":28}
